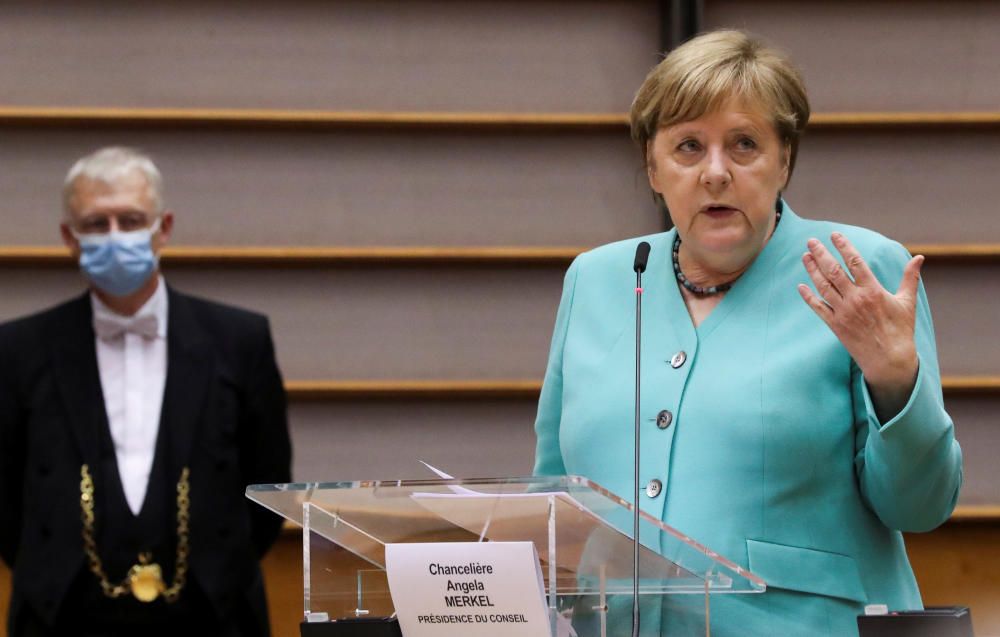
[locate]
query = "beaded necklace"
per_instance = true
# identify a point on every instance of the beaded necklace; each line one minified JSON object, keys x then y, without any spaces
{"x":715,"y":289}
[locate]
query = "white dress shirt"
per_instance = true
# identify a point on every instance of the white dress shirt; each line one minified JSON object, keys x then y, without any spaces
{"x":132,"y":359}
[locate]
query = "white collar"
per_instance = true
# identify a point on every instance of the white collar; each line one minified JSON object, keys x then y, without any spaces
{"x":155,"y":306}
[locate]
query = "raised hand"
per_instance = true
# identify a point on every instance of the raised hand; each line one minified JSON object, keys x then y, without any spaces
{"x":874,"y":325}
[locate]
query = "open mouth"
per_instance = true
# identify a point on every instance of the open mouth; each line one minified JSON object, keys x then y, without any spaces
{"x":719,"y":211}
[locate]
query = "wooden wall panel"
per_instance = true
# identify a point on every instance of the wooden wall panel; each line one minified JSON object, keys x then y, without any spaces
{"x":387,"y":439}
{"x":370,"y":324}
{"x":413,"y":323}
{"x":914,"y":185}
{"x":977,"y":427}
{"x":881,"y":55}
{"x":357,"y":54}
{"x":283,"y":581}
{"x":373,"y":187}
{"x":5,"y":584}
{"x":965,"y":304}
{"x":491,"y":323}
{"x":465,"y":321}
{"x":381,"y":187}
{"x":955,"y":564}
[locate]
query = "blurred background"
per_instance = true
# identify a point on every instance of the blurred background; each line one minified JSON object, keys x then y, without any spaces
{"x":401,"y":185}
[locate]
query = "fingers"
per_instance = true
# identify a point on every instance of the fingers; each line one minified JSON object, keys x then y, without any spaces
{"x":855,"y":263}
{"x":817,"y":304}
{"x":829,"y":268}
{"x":911,"y":278}
{"x":823,"y":284}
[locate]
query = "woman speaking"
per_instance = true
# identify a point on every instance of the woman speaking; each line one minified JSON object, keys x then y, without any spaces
{"x":792,"y":416}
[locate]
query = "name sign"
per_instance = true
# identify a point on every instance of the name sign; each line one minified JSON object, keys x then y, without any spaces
{"x":467,"y":589}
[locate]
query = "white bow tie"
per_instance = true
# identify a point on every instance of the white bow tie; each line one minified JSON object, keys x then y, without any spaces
{"x":110,"y":326}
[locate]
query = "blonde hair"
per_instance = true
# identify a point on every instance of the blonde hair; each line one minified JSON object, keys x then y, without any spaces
{"x":110,"y":164}
{"x":702,"y":74}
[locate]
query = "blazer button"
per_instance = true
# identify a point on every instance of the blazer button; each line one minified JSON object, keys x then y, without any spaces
{"x":664,"y":418}
{"x":678,"y":359}
{"x":653,"y":488}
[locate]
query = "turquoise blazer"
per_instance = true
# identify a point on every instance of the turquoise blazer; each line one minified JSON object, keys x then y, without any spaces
{"x":774,"y":456}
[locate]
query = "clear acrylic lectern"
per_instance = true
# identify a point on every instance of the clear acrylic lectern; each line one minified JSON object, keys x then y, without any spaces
{"x":582,"y":534}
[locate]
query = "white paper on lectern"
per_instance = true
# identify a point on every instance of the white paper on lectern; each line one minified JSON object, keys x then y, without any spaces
{"x":455,"y":507}
{"x":509,"y":599}
{"x":454,"y":488}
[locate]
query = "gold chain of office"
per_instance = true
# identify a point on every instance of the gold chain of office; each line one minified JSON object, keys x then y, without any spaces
{"x":145,"y":579}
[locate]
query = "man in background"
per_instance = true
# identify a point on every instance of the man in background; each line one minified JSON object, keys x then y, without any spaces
{"x":131,"y":419}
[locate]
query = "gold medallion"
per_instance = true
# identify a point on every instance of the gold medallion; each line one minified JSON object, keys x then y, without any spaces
{"x":146,"y":582}
{"x":145,"y":579}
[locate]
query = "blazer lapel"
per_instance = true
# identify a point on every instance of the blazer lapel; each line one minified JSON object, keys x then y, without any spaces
{"x":190,"y":367}
{"x":77,"y":378}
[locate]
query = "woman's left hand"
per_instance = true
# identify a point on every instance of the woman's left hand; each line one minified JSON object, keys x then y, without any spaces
{"x":875,"y":326}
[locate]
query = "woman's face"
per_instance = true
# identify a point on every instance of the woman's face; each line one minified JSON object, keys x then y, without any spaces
{"x":720,"y":175}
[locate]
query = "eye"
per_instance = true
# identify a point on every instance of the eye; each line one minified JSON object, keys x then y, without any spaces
{"x":95,"y":225}
{"x":746,"y":143}
{"x":688,"y":146}
{"x":131,"y":221}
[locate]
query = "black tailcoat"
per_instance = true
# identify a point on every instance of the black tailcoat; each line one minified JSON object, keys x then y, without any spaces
{"x":223,"y":416}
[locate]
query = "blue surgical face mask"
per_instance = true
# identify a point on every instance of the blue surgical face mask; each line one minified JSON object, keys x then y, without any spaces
{"x":119,"y":263}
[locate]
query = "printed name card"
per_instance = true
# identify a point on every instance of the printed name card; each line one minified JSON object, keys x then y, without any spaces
{"x":467,"y":589}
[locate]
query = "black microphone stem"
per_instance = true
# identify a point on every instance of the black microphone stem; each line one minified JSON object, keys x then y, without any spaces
{"x":641,"y":257}
{"x":635,"y":476}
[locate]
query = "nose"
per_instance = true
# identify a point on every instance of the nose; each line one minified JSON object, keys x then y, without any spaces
{"x":716,"y":174}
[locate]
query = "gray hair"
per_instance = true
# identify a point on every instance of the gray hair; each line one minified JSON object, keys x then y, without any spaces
{"x":700,"y":75}
{"x":110,"y":164}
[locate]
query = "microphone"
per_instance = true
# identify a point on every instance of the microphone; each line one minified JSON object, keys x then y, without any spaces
{"x":641,"y":257}
{"x":639,"y":266}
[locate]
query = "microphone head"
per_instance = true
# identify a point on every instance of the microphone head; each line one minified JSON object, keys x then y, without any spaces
{"x":641,"y":257}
